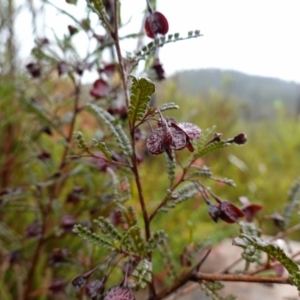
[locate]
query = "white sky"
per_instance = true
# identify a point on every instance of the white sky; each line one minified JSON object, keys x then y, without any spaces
{"x":260,"y":37}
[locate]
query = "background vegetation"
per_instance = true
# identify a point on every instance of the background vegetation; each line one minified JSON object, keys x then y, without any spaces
{"x":36,"y":128}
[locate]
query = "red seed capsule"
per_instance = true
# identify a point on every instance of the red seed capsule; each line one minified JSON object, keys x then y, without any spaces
{"x":156,"y":23}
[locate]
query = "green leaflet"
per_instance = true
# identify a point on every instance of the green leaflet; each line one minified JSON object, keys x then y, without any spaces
{"x":156,"y":239}
{"x":123,"y":140}
{"x":204,"y":138}
{"x":251,"y":230}
{"x":141,"y":91}
{"x":103,"y":148}
{"x":117,"y":130}
{"x":211,"y":147}
{"x":179,"y":195}
{"x":187,"y":191}
{"x":143,"y":273}
{"x":293,"y":202}
{"x":203,"y":172}
{"x":113,"y":240}
{"x":120,"y":190}
{"x":93,"y":237}
{"x":171,"y":166}
{"x":250,"y":242}
{"x":108,"y":228}
{"x":168,"y":106}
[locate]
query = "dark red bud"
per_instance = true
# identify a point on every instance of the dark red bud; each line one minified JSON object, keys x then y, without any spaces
{"x":34,"y":230}
{"x":75,"y":195}
{"x":46,"y":130}
{"x":34,"y":69}
{"x":81,"y":67}
{"x":214,"y":212}
{"x":44,"y":155}
{"x":240,"y":139}
{"x":72,"y":30}
{"x":57,"y":256}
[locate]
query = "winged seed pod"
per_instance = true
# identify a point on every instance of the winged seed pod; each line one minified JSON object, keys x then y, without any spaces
{"x":172,"y":136}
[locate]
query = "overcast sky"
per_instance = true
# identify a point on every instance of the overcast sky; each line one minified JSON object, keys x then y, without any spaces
{"x":260,"y":37}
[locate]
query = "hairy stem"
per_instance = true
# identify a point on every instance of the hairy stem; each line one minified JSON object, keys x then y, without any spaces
{"x":135,"y":169}
{"x":239,"y":278}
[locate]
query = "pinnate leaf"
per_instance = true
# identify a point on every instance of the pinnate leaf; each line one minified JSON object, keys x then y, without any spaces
{"x":141,"y":91}
{"x":246,"y":241}
{"x":117,"y":130}
{"x":211,"y":147}
{"x":167,"y":106}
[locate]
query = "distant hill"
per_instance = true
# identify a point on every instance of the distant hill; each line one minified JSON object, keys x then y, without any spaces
{"x":258,"y":92}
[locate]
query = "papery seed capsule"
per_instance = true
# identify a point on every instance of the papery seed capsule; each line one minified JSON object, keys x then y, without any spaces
{"x":156,"y":23}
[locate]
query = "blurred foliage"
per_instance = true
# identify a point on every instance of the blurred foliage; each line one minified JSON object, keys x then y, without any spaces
{"x":40,"y":169}
{"x":263,"y":170}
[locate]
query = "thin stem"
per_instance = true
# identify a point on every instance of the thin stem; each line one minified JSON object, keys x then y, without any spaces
{"x":198,"y":277}
{"x":115,"y":36}
{"x":98,"y":6}
{"x":135,"y":169}
{"x":239,"y":278}
{"x":150,"y":10}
